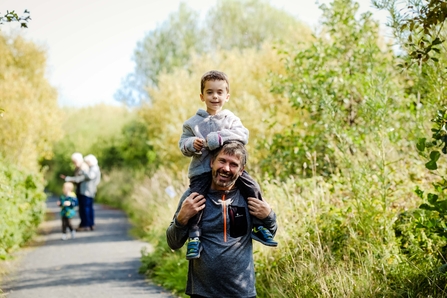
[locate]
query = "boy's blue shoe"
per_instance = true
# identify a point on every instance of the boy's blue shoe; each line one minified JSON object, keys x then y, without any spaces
{"x":263,"y":235}
{"x":193,"y":249}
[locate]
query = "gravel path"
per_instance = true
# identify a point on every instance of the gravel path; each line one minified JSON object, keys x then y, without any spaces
{"x":102,"y":263}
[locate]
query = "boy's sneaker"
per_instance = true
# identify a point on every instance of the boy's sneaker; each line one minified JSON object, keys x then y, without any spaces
{"x":263,"y":235}
{"x":193,"y":249}
{"x":73,"y":234}
{"x":64,"y":237}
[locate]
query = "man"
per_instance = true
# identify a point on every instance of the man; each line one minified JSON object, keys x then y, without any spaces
{"x":225,"y":267}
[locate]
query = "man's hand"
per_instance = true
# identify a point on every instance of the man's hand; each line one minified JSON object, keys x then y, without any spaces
{"x":190,"y":207}
{"x":257,"y":208}
{"x":198,"y":144}
{"x":62,"y":176}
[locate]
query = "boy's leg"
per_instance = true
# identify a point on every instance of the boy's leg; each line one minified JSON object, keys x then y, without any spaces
{"x":194,"y":247}
{"x":64,"y":228}
{"x":69,"y":226}
{"x":72,"y":231}
{"x":250,"y":188}
{"x":64,"y":225}
{"x":201,"y":185}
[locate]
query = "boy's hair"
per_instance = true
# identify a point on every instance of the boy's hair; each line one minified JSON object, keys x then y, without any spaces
{"x":214,"y":75}
{"x":233,"y":148}
{"x":69,"y":186}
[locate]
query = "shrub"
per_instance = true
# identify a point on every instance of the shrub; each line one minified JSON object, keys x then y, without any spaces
{"x":21,"y":206}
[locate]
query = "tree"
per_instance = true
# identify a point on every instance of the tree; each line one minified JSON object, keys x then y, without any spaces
{"x":332,"y":83}
{"x":241,"y":24}
{"x":168,"y":46}
{"x":235,"y":24}
{"x":12,"y":16}
{"x":31,"y":123}
{"x":419,"y":28}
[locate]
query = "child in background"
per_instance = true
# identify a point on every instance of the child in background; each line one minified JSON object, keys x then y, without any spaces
{"x":206,"y":131}
{"x":67,"y":202}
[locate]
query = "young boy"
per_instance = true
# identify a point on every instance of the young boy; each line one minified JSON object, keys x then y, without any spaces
{"x":204,"y":132}
{"x":67,"y":201}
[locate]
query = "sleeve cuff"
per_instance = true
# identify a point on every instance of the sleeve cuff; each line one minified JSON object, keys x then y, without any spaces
{"x":179,"y":225}
{"x":214,"y":140}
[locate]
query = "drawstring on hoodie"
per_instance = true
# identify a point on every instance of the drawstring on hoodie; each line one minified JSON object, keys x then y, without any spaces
{"x":224,"y":217}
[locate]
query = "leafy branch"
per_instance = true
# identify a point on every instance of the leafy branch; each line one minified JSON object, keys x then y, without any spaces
{"x":12,"y":16}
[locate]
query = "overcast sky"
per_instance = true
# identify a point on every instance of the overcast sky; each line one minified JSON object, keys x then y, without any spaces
{"x":90,"y":42}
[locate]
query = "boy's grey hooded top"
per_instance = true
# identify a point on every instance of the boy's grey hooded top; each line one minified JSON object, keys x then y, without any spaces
{"x":225,"y":267}
{"x":215,"y":129}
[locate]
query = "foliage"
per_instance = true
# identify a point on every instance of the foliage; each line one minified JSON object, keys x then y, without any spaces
{"x":21,"y":206}
{"x":31,"y":119}
{"x":424,"y":230}
{"x":129,"y":149}
{"x":168,"y":46}
{"x":242,"y":24}
{"x":236,"y":24}
{"x":12,"y":16}
{"x":334,"y":83}
{"x":418,"y":25}
{"x":89,"y":130}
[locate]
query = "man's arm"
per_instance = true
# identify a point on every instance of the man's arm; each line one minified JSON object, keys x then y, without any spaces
{"x":75,"y":179}
{"x":190,"y":204}
{"x":81,"y":175}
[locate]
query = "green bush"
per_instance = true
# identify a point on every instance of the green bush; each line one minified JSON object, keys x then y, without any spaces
{"x":22,"y":206}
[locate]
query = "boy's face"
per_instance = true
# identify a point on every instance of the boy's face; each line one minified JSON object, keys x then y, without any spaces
{"x":66,"y":189}
{"x":215,"y":95}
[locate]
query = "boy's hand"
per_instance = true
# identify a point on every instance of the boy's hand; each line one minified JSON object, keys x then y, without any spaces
{"x":198,"y":144}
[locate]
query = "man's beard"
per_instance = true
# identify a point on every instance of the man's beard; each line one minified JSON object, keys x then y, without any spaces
{"x":227,"y":183}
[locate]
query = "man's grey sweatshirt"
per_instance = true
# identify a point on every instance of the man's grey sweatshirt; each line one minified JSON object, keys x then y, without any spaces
{"x":225,"y":267}
{"x":215,"y":129}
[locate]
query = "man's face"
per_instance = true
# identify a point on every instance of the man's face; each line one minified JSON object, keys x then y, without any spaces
{"x":225,"y":170}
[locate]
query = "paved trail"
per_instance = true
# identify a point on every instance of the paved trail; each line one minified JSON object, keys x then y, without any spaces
{"x":102,"y":263}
